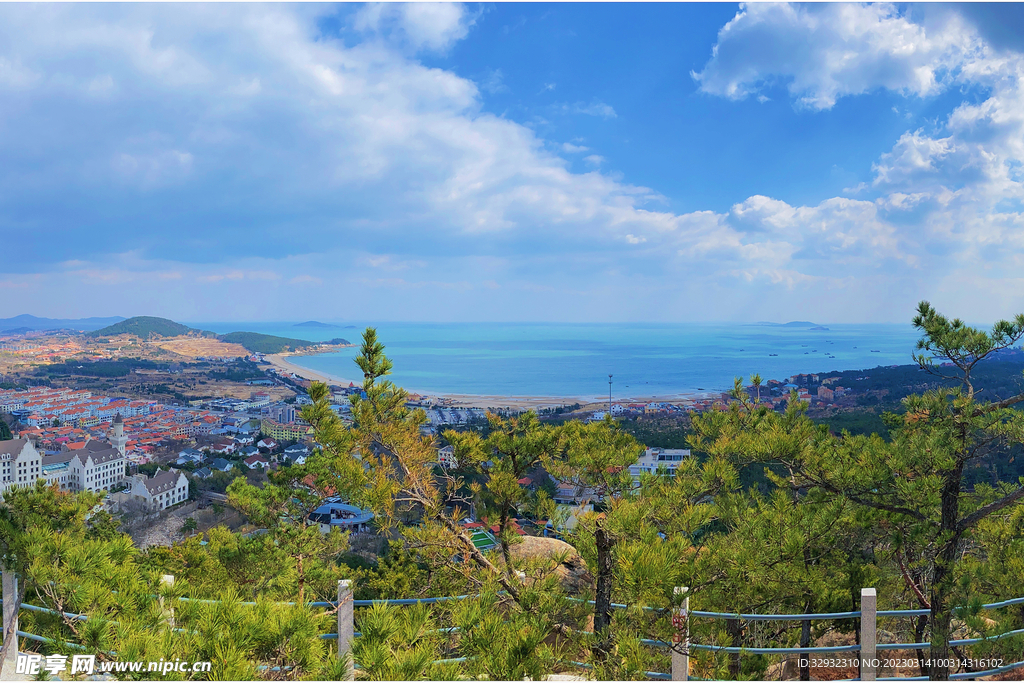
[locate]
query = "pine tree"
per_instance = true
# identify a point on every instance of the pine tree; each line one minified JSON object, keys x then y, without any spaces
{"x":914,"y":486}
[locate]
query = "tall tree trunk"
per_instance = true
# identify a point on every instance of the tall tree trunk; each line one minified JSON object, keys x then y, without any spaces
{"x":505,"y":553}
{"x":919,"y":626}
{"x":942,"y":579}
{"x":941,"y":613}
{"x":735,"y":630}
{"x":603,"y":597}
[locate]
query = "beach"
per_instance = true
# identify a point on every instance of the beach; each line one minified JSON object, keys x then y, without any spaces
{"x":281,"y":362}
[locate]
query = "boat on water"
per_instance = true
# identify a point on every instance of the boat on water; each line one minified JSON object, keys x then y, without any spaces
{"x":773,"y":354}
{"x":874,"y":351}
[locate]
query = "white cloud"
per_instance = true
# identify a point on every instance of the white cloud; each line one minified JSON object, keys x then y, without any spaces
{"x":235,"y":130}
{"x":425,"y":25}
{"x":599,"y":109}
{"x":913,"y":156}
{"x":493,"y":82}
{"x":148,"y":170}
{"x":821,"y":52}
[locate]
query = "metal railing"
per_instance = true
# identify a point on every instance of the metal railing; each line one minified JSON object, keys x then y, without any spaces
{"x":868,"y":646}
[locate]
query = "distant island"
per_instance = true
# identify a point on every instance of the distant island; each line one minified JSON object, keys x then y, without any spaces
{"x":317,"y":324}
{"x":795,"y":323}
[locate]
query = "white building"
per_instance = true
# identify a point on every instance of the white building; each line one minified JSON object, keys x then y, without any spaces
{"x":257,"y":461}
{"x":117,"y":438}
{"x":334,"y":514}
{"x":446,"y":458}
{"x":160,"y":491}
{"x":653,"y":458}
{"x":96,"y":467}
{"x":20,"y":464}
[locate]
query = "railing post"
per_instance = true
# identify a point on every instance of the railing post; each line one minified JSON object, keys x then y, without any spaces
{"x":10,"y":597}
{"x":868,"y":634}
{"x":168,"y":581}
{"x":681,"y":622}
{"x":346,"y":627}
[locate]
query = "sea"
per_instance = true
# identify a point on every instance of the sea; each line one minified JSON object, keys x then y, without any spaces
{"x":575,"y":360}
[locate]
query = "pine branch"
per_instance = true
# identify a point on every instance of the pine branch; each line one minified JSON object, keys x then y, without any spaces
{"x":992,"y":407}
{"x":983,"y":512}
{"x":911,"y":584}
{"x":860,"y":500}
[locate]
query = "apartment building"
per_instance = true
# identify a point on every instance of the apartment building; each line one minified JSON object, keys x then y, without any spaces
{"x":286,"y":432}
{"x":653,"y":458}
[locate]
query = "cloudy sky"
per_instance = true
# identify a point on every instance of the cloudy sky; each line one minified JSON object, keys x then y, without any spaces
{"x":511,"y":162}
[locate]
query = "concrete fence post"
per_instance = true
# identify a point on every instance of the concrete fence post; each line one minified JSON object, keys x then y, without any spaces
{"x":167,"y":580}
{"x":681,"y":623}
{"x":10,"y":598}
{"x":868,"y":634}
{"x":346,"y":626}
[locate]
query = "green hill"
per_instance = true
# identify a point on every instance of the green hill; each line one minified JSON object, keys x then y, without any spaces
{"x":147,"y":326}
{"x":264,"y":343}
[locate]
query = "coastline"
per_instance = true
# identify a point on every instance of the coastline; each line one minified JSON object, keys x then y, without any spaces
{"x":281,"y":362}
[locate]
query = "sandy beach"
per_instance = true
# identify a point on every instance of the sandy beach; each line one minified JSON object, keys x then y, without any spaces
{"x":281,"y":362}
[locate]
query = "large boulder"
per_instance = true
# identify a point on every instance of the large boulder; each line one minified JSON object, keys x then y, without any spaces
{"x":571,"y":570}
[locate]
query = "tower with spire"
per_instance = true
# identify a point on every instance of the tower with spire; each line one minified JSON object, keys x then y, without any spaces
{"x":116,"y":437}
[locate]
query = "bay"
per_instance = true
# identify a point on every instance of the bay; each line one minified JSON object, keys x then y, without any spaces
{"x":574,"y":360}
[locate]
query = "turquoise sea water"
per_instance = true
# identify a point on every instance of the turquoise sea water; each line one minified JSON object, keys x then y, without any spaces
{"x":646,"y":359}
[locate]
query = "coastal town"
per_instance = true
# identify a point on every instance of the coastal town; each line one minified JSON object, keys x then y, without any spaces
{"x":172,"y":420}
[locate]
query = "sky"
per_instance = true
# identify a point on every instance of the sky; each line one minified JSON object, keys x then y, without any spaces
{"x":578,"y":162}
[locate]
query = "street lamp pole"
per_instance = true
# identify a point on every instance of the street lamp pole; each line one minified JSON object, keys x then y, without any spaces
{"x":609,"y":393}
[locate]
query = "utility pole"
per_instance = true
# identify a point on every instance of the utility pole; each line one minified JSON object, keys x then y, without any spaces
{"x":609,"y":393}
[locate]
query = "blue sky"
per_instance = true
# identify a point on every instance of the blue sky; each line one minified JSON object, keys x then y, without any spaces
{"x":513,"y":162}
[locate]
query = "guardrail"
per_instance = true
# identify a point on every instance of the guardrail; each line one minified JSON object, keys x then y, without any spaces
{"x":680,"y":649}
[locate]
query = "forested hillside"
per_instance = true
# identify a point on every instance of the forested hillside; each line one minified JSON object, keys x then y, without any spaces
{"x":146,"y":327}
{"x":264,"y":343}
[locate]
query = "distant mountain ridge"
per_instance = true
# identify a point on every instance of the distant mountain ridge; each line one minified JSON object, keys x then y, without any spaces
{"x":25,"y":322}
